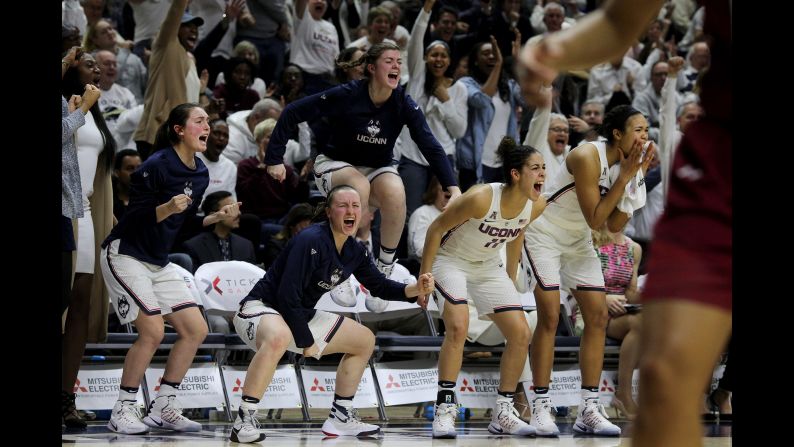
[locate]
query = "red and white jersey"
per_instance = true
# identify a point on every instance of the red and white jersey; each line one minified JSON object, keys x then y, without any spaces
{"x":480,"y":239}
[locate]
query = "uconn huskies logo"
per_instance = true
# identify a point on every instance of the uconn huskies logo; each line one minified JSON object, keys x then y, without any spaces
{"x":249,"y":331}
{"x":188,"y":188}
{"x":499,"y":235}
{"x":123,"y":306}
{"x":335,"y":276}
{"x":373,"y":129}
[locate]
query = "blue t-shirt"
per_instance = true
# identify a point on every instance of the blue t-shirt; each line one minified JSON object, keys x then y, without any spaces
{"x":161,"y":177}
{"x":308,"y":267}
{"x":352,"y":129}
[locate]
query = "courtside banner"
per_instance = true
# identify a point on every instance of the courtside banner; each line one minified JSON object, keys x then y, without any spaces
{"x":201,"y":387}
{"x":564,"y":389}
{"x":320,"y":383}
{"x":283,"y":391}
{"x":97,"y":387}
{"x":477,"y":386}
{"x":407,"y":382}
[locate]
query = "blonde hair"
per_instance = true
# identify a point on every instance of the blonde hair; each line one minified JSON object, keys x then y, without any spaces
{"x":246,"y":45}
{"x":603,"y":236}
{"x":265,"y":126}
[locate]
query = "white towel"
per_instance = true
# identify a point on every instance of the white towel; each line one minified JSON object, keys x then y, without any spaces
{"x":635,"y":194}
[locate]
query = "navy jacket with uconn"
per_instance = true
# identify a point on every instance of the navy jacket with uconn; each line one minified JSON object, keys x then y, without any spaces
{"x":352,"y":129}
{"x":308,"y":267}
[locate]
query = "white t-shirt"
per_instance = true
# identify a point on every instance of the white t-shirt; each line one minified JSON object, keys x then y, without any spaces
{"x":315,"y":45}
{"x":149,"y":16}
{"x":118,"y":98}
{"x":418,"y":224}
{"x":496,"y":132}
{"x":192,"y":84}
{"x":223,"y":175}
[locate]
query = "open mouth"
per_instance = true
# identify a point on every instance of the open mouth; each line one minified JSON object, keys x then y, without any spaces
{"x":203,"y":138}
{"x":538,"y":187}
{"x":394,"y":76}
{"x":349,"y":223}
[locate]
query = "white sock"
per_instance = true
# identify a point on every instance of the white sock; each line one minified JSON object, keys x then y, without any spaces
{"x":166,"y":390}
{"x":587,"y":394}
{"x":124,"y":395}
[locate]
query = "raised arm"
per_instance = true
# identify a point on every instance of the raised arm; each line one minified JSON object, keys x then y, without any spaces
{"x":416,"y":59}
{"x":169,"y":29}
{"x":667,"y":119}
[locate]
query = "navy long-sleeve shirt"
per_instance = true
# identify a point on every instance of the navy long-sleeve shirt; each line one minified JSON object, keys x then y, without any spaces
{"x":360,"y":133}
{"x":308,"y":267}
{"x":161,"y":177}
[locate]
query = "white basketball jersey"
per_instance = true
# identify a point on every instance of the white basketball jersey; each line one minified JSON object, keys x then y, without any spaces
{"x":480,"y":239}
{"x":562,"y":206}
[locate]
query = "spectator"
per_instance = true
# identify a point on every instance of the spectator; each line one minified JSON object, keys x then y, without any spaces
{"x":242,"y":144}
{"x":584,"y":128}
{"x":131,"y":70}
{"x":247,"y":50}
{"x":647,"y":101}
{"x":87,"y":316}
{"x":270,"y":35}
{"x":349,"y":74}
{"x":441,"y":99}
{"x":73,"y":115}
{"x":220,"y":244}
{"x":298,"y":218}
{"x":622,"y":74}
{"x":236,"y":93}
{"x":264,"y":196}
{"x":435,"y":199}
{"x":172,"y":76}
{"x":699,"y":59}
{"x":115,"y":98}
{"x":492,"y":99}
{"x":222,"y":172}
{"x":125,"y":163}
{"x":379,"y":26}
{"x":315,"y":46}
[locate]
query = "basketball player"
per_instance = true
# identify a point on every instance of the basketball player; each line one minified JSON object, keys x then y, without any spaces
{"x":462,"y":249}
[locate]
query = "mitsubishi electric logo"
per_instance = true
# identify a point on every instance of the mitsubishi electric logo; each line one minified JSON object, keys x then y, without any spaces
{"x":466,"y":386}
{"x":392,"y":383}
{"x":212,"y":285}
{"x":317,"y":386}
{"x":78,"y":387}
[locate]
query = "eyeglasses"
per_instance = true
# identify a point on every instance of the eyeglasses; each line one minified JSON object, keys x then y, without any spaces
{"x":559,"y":129}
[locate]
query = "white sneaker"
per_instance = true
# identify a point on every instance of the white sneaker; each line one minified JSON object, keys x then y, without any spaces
{"x":444,"y":421}
{"x":344,"y":294}
{"x":373,"y":303}
{"x":344,"y":421}
{"x":592,"y":419}
{"x":126,"y":418}
{"x":165,"y":413}
{"x":384,"y":268}
{"x":542,"y":419}
{"x":505,"y":421}
{"x":246,"y":427}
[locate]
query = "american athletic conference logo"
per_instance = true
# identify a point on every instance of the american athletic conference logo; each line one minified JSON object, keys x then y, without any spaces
{"x":212,"y":285}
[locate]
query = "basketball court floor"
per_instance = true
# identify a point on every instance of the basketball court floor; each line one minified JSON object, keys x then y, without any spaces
{"x":402,"y":433}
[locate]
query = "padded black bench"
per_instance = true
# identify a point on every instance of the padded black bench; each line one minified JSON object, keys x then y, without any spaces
{"x":125,"y":340}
